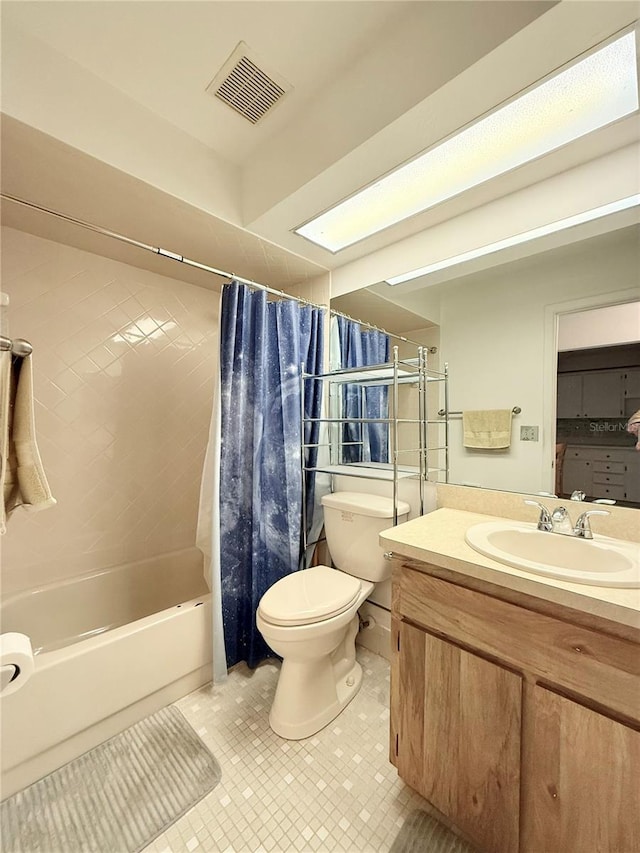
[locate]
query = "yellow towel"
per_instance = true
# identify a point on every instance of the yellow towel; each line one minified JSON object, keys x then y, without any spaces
{"x":488,"y":429}
{"x":23,"y":479}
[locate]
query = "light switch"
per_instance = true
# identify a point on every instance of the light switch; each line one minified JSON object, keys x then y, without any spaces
{"x":529,"y":433}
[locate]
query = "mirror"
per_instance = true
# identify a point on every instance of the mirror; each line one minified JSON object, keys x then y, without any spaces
{"x":497,"y":331}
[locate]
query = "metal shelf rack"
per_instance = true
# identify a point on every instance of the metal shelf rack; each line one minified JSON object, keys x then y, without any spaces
{"x":393,"y":374}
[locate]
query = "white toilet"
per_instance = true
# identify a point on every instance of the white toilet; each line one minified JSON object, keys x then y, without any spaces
{"x":310,"y":618}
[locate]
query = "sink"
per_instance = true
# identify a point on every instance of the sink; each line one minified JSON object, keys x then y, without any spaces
{"x":601,"y":561}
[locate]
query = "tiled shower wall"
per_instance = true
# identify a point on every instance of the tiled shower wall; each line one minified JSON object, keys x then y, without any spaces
{"x":123,"y":372}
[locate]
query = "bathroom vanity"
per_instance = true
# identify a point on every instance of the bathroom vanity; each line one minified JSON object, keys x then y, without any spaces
{"x":515,"y":699}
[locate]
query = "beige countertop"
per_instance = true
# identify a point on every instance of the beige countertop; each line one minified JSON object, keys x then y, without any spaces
{"x":438,"y":538}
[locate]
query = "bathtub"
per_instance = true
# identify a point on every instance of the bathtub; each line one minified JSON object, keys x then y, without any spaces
{"x":110,"y":647}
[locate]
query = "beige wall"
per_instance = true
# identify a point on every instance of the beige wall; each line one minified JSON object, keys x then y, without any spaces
{"x":123,"y":373}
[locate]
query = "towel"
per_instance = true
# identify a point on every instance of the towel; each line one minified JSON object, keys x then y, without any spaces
{"x":633,"y":426}
{"x":22,"y":476}
{"x":487,"y":428}
{"x":6,"y":482}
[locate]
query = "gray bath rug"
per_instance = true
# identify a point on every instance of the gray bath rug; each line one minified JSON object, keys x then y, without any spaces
{"x":423,"y":833}
{"x":117,"y":797}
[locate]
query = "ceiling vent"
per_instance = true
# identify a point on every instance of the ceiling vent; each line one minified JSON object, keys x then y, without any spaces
{"x":246,"y":87}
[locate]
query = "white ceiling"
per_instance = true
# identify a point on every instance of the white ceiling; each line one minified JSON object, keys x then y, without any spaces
{"x":162,"y":55}
{"x":121,"y":85}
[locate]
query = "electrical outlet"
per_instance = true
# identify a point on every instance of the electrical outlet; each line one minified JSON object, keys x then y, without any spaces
{"x":529,"y":433}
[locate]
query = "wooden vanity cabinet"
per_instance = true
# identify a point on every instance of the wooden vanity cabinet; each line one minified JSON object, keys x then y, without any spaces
{"x":459,"y":736}
{"x":519,"y":727}
{"x":584,"y":787}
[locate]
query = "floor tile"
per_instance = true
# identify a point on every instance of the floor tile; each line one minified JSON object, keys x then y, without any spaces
{"x":335,"y":792}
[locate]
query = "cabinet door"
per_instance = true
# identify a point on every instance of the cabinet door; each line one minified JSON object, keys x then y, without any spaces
{"x":585,"y":779}
{"x":602,"y":394}
{"x":457,"y":720}
{"x":577,"y":474}
{"x":631,"y":391}
{"x":632,"y":477}
{"x":569,"y":404}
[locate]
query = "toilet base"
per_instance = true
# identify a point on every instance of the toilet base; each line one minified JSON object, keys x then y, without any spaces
{"x":301,"y":691}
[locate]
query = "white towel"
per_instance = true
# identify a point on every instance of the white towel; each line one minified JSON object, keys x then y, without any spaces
{"x":488,"y":429}
{"x":23,"y":479}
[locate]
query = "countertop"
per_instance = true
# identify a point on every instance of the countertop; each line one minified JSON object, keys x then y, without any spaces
{"x":438,"y":538}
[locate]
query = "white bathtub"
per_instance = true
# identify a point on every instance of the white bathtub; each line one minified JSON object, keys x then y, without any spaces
{"x":111,"y":647}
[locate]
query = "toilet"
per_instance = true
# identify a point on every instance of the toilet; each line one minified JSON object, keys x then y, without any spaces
{"x":310,"y":618}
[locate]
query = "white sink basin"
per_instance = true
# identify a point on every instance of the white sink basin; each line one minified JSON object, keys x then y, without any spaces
{"x":600,"y":561}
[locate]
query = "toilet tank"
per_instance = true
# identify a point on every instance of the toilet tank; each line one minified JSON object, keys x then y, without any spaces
{"x":352,"y":522}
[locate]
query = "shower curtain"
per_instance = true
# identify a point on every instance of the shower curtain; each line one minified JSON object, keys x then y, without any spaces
{"x":259,"y":501}
{"x":359,"y":347}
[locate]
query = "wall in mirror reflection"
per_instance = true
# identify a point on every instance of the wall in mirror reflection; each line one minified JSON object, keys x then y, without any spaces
{"x":497,"y":338}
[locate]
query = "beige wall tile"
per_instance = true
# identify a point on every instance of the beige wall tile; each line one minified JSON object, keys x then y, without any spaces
{"x":123,"y":377}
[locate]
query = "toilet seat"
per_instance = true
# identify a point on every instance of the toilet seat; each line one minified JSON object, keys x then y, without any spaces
{"x":308,"y":596}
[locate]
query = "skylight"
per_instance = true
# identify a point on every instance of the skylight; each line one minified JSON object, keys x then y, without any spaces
{"x":586,"y":96}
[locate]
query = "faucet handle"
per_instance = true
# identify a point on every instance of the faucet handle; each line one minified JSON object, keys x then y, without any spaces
{"x":544,"y":522}
{"x":583,"y":526}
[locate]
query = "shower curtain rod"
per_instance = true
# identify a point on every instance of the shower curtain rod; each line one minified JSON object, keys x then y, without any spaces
{"x":173,"y":256}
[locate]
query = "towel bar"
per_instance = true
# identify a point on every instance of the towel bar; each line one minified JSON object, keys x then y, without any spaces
{"x":516,"y":411}
{"x":18,"y":346}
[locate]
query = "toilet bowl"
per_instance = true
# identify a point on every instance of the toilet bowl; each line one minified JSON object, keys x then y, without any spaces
{"x":310,"y":618}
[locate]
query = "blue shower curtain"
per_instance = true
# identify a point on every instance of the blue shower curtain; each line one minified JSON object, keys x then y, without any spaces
{"x":359,"y":347}
{"x":262,"y":346}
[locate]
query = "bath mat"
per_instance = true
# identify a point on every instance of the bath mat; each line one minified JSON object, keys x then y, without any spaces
{"x":117,"y":797}
{"x":423,"y":833}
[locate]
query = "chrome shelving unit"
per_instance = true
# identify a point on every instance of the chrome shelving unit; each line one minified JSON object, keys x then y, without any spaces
{"x":393,"y":374}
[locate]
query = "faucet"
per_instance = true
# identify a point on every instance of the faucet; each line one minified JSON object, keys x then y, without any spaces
{"x":559,"y":521}
{"x":583,"y":527}
{"x":544,"y":522}
{"x":578,"y":495}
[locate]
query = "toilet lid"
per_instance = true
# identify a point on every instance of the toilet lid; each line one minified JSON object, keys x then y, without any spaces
{"x":309,"y":596}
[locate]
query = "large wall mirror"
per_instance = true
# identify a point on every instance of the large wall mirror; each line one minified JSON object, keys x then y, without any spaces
{"x":509,"y":340}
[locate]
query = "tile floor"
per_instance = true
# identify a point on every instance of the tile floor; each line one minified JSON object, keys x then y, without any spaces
{"x":334,"y":792}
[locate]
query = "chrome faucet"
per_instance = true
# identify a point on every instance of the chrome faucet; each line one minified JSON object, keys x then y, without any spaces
{"x":560,"y":522}
{"x":583,"y":527}
{"x":544,"y":522}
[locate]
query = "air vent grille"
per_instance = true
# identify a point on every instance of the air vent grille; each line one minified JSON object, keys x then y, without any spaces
{"x":245,"y":87}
